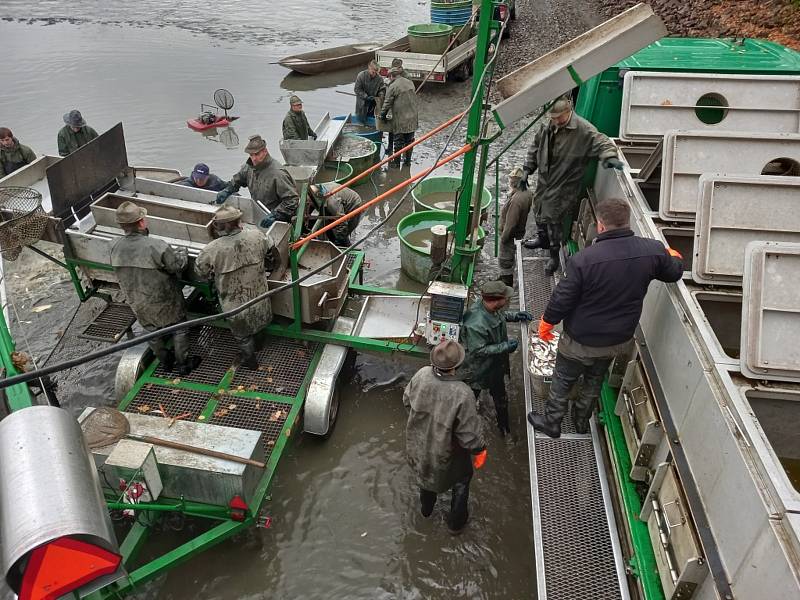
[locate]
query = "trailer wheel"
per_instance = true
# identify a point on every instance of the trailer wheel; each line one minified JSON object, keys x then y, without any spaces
{"x":462,"y":71}
{"x":333,"y":413}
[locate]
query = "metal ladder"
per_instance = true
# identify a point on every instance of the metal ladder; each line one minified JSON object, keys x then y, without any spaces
{"x":576,"y":544}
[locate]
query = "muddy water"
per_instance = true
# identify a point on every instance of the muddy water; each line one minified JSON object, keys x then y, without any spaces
{"x":441,"y":200}
{"x":421,"y":238}
{"x":345,"y":522}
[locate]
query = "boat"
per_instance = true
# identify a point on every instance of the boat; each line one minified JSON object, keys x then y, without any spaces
{"x":199,"y":125}
{"x":335,"y":59}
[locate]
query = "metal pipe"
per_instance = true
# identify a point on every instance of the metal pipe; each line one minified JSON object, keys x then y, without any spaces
{"x":378,"y":165}
{"x":383,"y":196}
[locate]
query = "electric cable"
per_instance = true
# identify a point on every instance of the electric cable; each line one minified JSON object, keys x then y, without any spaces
{"x":171,"y":329}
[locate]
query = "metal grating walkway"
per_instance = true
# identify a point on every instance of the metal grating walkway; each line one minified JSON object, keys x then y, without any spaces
{"x":111,"y":324}
{"x":578,"y":555}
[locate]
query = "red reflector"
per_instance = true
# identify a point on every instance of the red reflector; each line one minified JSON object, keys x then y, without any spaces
{"x":438,"y":77}
{"x":64,"y":565}
{"x":238,"y":508}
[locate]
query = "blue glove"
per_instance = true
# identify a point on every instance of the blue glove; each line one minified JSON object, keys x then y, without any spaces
{"x":512,"y":345}
{"x":267,"y":221}
{"x":223,"y":195}
{"x":523,"y":315}
{"x":613,"y":163}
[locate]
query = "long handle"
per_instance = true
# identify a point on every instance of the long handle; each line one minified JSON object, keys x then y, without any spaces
{"x":345,"y":93}
{"x":196,"y":450}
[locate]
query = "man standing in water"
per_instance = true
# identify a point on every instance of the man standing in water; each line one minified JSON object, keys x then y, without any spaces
{"x":369,"y":84}
{"x":485,"y":339}
{"x":148,"y":269}
{"x":444,"y":440}
{"x":401,"y":101}
{"x":269,"y":183}
{"x":237,"y":261}
{"x":13,"y":155}
{"x":295,"y":123}
{"x":74,"y":134}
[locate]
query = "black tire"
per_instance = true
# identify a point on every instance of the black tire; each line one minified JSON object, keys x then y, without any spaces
{"x":462,"y":72}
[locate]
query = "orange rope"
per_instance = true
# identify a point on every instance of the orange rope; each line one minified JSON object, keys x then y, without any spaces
{"x":432,"y":132}
{"x":384,"y":195}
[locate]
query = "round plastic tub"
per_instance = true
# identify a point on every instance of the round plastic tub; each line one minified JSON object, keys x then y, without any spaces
{"x":451,"y":13}
{"x":356,"y":150}
{"x":429,"y":38}
{"x":414,"y":233}
{"x":333,"y":172}
{"x":440,"y":194}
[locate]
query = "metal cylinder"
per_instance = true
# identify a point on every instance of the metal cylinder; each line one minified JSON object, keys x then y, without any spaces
{"x":438,"y":244}
{"x":49,"y":487}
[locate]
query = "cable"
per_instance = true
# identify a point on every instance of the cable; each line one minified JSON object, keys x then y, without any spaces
{"x":121,"y":346}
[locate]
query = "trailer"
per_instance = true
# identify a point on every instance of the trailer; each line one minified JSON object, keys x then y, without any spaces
{"x":456,"y":63}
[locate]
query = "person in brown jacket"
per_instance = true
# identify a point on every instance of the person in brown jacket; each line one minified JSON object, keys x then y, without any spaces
{"x":513,"y":220}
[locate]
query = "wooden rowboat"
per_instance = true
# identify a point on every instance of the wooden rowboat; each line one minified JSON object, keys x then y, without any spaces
{"x":335,"y":59}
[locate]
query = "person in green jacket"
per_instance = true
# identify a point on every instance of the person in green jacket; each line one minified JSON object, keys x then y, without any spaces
{"x":74,"y":134}
{"x":336,"y":205}
{"x":295,"y":123}
{"x":485,"y":339}
{"x":401,"y":101}
{"x":13,"y":155}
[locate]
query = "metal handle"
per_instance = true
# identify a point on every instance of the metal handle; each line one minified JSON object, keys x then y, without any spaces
{"x":666,"y":515}
{"x":322,"y":300}
{"x":641,"y":387}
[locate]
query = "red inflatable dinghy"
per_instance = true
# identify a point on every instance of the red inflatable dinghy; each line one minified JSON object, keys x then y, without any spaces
{"x":199,"y":124}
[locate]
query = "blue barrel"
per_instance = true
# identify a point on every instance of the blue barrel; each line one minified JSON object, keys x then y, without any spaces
{"x":365,"y":130}
{"x":451,"y":13}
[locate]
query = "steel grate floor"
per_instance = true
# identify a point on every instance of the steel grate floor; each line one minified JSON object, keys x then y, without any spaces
{"x":177,"y":402}
{"x":577,"y":550}
{"x":212,"y":366}
{"x":537,"y":285}
{"x":114,"y":321}
{"x":258,"y":415}
{"x":283,"y":364}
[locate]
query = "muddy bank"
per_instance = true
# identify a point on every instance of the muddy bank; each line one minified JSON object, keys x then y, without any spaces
{"x":776,"y":20}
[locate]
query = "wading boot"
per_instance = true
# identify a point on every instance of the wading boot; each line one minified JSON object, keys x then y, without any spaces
{"x":581,"y":422}
{"x":554,"y":262}
{"x":247,"y":352}
{"x":543,"y":424}
{"x":508,"y":279}
{"x":407,"y":158}
{"x":540,"y":240}
{"x":167,"y":359}
{"x":189,"y":365}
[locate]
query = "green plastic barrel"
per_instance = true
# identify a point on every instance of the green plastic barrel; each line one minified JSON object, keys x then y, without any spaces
{"x":333,"y":172}
{"x":429,"y":38}
{"x":415,"y":252}
{"x":358,"y":151}
{"x":438,"y":193}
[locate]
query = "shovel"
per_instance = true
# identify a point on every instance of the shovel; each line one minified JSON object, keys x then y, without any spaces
{"x":105,"y":426}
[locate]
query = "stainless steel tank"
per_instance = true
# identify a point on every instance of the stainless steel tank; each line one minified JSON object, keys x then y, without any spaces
{"x":49,"y":486}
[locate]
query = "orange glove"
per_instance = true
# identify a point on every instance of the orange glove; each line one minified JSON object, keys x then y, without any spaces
{"x":545,"y":330}
{"x":479,"y":459}
{"x":674,"y":253}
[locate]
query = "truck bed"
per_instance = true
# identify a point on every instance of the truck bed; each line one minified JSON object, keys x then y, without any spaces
{"x":417,"y":65}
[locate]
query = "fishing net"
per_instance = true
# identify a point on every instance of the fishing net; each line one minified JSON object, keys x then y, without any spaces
{"x":224,"y":99}
{"x":22,"y":220}
{"x":104,"y":426}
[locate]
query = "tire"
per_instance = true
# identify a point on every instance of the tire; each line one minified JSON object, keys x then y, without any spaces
{"x":462,"y":72}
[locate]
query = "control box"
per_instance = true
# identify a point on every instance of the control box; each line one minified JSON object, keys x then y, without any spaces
{"x":448,"y":302}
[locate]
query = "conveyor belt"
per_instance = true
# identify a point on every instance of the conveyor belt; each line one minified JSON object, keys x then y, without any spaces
{"x":575,"y":536}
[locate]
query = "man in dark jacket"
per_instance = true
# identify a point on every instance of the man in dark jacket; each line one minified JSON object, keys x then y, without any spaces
{"x":401,"y":101}
{"x":13,"y":155}
{"x":513,"y":220}
{"x":485,"y":338}
{"x":444,"y":440}
{"x":369,"y":84}
{"x":295,"y":123}
{"x":203,"y":179}
{"x":600,"y":301}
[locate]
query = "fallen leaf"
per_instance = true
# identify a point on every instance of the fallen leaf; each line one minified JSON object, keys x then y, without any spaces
{"x":252,"y":388}
{"x":231,"y":406}
{"x":269,"y":379}
{"x":258,"y":405}
{"x":221,"y":413}
{"x":240,"y":387}
{"x":270,"y":443}
{"x":261,"y":368}
{"x":176,"y":381}
{"x":364,"y":534}
{"x":269,"y":369}
{"x":41,"y":308}
{"x":201,"y":418}
{"x":221,"y":391}
{"x":143,"y":408}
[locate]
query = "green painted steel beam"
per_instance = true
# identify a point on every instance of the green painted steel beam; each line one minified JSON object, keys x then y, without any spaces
{"x":378,"y":291}
{"x":351,"y":341}
{"x":133,"y":542}
{"x":643,"y":562}
{"x":17,"y":396}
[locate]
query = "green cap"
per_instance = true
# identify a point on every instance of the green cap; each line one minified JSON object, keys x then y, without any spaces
{"x":496,"y":289}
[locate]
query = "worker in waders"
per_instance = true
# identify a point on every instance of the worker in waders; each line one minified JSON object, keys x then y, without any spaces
{"x":368,"y":86}
{"x":486,"y":342}
{"x":444,"y":437}
{"x":295,"y":123}
{"x":74,"y":134}
{"x":13,"y":155}
{"x":600,"y":302}
{"x":269,"y":183}
{"x":513,"y":220}
{"x":148,"y":270}
{"x":560,"y":152}
{"x":401,"y":102}
{"x":237,"y":261}
{"x":334,"y":206}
